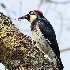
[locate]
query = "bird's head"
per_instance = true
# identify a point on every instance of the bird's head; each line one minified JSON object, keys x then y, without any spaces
{"x":32,"y":15}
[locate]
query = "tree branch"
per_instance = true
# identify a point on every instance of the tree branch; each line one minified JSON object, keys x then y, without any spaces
{"x":19,"y":51}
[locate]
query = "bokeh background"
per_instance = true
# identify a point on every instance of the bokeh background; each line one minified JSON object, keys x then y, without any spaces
{"x":56,"y":11}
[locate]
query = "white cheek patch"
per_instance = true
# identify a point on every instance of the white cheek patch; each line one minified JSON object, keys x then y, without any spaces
{"x":32,"y":18}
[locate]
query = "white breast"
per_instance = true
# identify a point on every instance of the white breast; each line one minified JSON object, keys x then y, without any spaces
{"x":41,"y":42}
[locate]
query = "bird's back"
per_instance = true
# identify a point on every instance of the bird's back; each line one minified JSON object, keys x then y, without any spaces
{"x":48,"y":33}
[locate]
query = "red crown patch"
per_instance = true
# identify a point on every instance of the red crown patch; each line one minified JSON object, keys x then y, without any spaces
{"x":39,"y":11}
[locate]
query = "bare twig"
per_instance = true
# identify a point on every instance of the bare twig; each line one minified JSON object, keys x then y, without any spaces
{"x":65,"y":49}
{"x":55,"y":2}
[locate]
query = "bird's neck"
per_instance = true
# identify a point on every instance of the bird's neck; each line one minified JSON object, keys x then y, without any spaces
{"x":33,"y":24}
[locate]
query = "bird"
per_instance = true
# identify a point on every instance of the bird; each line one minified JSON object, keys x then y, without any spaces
{"x":44,"y":35}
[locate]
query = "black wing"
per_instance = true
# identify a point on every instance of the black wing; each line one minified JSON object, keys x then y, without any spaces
{"x":49,"y":33}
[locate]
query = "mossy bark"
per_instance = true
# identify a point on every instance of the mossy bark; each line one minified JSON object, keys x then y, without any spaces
{"x":19,"y":51}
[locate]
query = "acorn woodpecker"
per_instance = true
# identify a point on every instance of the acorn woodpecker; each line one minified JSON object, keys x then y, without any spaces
{"x":44,"y":35}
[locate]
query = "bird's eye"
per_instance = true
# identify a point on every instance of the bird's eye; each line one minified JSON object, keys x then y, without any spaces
{"x":31,"y":12}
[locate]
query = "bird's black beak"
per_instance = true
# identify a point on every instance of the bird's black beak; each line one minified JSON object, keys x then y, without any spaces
{"x":25,"y":17}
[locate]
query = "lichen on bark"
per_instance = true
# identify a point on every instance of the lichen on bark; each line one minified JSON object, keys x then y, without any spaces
{"x":19,"y":51}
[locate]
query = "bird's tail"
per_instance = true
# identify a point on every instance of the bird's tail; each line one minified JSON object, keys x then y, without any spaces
{"x":59,"y":63}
